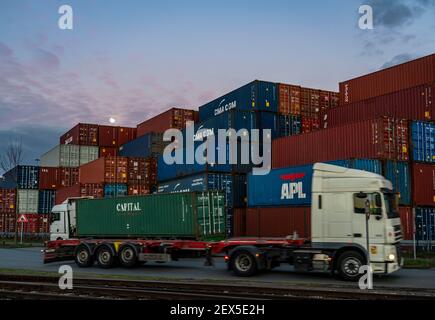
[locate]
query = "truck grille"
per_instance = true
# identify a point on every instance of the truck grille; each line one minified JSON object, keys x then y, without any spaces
{"x":398,"y":233}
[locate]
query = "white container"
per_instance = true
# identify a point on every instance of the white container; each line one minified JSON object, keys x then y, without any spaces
{"x":28,"y":201}
{"x":69,"y":156}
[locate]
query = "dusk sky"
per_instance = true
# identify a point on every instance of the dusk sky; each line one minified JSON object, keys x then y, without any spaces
{"x":135,"y":58}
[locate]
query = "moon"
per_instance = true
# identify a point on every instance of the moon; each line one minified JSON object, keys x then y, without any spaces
{"x":112,"y":120}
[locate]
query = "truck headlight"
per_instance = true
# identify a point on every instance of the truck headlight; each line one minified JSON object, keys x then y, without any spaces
{"x":391,"y":257}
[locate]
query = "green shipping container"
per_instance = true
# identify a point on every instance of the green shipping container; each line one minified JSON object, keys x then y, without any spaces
{"x":193,"y":215}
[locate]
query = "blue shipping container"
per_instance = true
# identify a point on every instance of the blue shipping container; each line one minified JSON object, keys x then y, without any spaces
{"x":423,"y":141}
{"x":292,"y":186}
{"x":289,"y":125}
{"x":115,"y":190}
{"x":23,"y":177}
{"x":425,"y":224}
{"x":255,"y":96}
{"x":148,"y":145}
{"x":398,"y":173}
{"x":46,"y":201}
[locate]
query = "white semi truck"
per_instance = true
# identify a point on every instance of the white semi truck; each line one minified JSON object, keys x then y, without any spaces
{"x":341,"y":201}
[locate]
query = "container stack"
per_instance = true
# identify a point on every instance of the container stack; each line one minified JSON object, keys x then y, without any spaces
{"x":284,"y":109}
{"x":385,"y":121}
{"x":22,"y":197}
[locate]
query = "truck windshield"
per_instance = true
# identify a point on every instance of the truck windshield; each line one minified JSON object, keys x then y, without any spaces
{"x":391,"y":205}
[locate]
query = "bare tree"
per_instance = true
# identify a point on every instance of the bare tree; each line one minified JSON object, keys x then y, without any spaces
{"x":12,"y":156}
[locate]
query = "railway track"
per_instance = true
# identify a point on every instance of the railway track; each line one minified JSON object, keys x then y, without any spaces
{"x":46,"y":287}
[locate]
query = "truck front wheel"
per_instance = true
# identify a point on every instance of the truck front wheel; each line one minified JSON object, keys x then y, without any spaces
{"x":83,"y":256}
{"x":243,"y":263}
{"x":349,"y":264}
{"x":105,"y":257}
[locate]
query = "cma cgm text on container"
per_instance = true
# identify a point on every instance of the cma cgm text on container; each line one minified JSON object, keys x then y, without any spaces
{"x":256,"y":95}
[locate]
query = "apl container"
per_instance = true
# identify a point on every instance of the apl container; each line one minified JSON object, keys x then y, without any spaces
{"x":384,"y":138}
{"x":398,"y":173}
{"x":115,"y":190}
{"x":400,"y":77}
{"x":148,"y":145}
{"x":425,"y":224}
{"x":292,"y":186}
{"x":423,"y":184}
{"x":198,"y":216}
{"x":254,"y":96}
{"x":423,"y":141}
{"x":23,"y":177}
{"x":47,"y":199}
{"x":28,"y":201}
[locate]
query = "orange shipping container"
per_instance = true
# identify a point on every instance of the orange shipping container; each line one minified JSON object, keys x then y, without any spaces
{"x":95,"y":190}
{"x":7,"y":200}
{"x":104,"y":170}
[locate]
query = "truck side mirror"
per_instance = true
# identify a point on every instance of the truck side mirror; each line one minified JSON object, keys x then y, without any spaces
{"x":378,"y":200}
{"x":361,"y":195}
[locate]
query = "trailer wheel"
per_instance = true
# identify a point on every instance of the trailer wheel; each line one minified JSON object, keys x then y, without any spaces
{"x":243,"y":263}
{"x":128,"y":256}
{"x":349,"y":264}
{"x":83,"y":256}
{"x":105,"y":257}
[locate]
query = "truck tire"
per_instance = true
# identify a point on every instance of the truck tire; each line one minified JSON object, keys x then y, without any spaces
{"x":105,"y":257}
{"x":83,"y":256}
{"x":127,"y":256}
{"x":243,"y":263}
{"x":349,"y":264}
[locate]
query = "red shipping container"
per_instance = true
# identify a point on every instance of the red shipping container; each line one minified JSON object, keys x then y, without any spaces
{"x":400,"y":77}
{"x":125,"y":135}
{"x":239,"y":222}
{"x":107,"y":136}
{"x":413,"y":104}
{"x":95,"y":190}
{"x":173,"y":118}
{"x":49,"y":178}
{"x":82,"y":134}
{"x":108,"y":152}
{"x":384,"y":138}
{"x":278,"y":222}
{"x":69,"y":177}
{"x":423,"y":184}
{"x":137,"y":189}
{"x":105,"y":170}
{"x":8,"y":198}
{"x":142,"y":171}
{"x":8,"y":222}
{"x":407,"y":222}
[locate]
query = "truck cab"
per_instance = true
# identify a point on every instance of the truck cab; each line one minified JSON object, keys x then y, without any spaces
{"x":63,"y":220}
{"x":342,"y":200}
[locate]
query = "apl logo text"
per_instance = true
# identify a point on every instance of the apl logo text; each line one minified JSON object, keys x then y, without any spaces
{"x":293,"y":189}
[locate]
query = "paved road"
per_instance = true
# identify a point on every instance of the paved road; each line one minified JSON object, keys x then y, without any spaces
{"x":31,"y":258}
